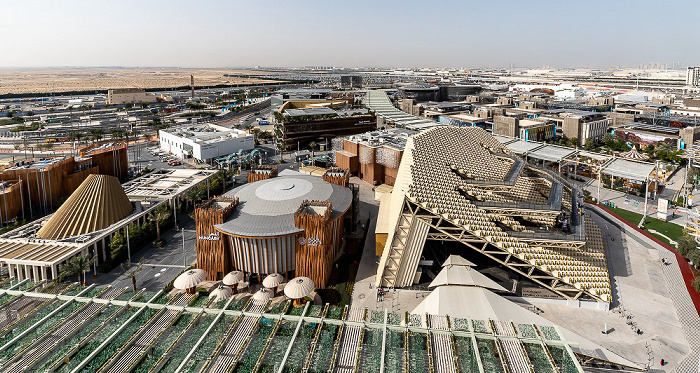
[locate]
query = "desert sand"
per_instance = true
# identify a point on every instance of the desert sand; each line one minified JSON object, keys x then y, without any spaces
{"x":44,"y":81}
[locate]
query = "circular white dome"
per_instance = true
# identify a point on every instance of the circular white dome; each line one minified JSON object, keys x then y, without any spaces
{"x":283,"y":189}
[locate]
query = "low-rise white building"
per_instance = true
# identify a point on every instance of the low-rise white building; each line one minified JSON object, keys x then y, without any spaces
{"x":204,"y":142}
{"x":120,"y":96}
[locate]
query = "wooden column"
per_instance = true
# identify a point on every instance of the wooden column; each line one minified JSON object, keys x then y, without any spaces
{"x":314,"y":256}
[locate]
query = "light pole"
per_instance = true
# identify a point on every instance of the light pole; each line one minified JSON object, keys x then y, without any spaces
{"x":128,"y":245}
{"x":184,"y":254}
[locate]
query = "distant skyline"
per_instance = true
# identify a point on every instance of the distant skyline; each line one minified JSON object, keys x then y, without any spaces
{"x":467,"y":34}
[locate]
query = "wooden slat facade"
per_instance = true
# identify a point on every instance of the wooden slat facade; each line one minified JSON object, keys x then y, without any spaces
{"x":314,"y":254}
{"x":10,"y":201}
{"x":337,"y":176}
{"x":262,"y":173}
{"x":44,"y":186}
{"x":213,"y":253}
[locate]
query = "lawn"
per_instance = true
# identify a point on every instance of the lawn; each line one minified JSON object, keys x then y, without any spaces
{"x":674,"y":231}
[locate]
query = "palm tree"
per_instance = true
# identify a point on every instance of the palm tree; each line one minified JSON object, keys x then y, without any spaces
{"x":158,"y":217}
{"x":76,"y":265}
{"x":191,"y":196}
{"x":131,"y":272}
{"x":225,"y":174}
{"x":117,"y":133}
{"x":312,"y":145}
{"x":256,"y":133}
{"x":96,"y":134}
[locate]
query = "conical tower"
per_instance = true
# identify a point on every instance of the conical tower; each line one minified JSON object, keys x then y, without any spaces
{"x":98,"y":202}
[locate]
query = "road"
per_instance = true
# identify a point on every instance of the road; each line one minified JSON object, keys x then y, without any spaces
{"x":162,"y":264}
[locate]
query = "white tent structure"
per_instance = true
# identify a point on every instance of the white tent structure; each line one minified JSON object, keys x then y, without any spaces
{"x":233,"y":279}
{"x":456,"y":260}
{"x":190,"y":279}
{"x":221,"y":292}
{"x":463,"y":275}
{"x":467,"y":294}
{"x":262,"y":295}
{"x":299,"y":288}
{"x":272,"y":281}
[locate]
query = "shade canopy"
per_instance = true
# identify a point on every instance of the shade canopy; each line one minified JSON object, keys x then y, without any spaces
{"x":453,"y":260}
{"x":221,"y":292}
{"x":272,"y":280}
{"x":634,"y":154}
{"x":299,"y":288}
{"x":189,"y":279}
{"x":233,"y":278}
{"x":262,"y":295}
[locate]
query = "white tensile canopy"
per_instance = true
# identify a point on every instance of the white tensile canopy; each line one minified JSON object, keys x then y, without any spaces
{"x":272,"y":280}
{"x":299,"y":288}
{"x":262,"y":295}
{"x":221,"y":292}
{"x":189,"y":279}
{"x":232,"y":278}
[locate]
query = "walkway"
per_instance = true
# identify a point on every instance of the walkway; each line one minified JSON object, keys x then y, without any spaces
{"x":675,"y":274}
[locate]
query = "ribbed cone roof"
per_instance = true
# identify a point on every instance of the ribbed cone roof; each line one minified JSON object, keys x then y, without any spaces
{"x":98,"y":202}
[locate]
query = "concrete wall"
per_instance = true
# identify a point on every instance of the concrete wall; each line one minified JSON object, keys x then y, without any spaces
{"x":506,"y":126}
{"x":689,"y":135}
{"x":618,"y":119}
{"x":571,"y":128}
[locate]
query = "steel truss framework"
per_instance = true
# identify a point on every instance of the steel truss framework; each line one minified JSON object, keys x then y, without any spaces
{"x":444,"y":230}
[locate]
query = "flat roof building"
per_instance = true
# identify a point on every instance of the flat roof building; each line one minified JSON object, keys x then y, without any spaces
{"x":204,"y":143}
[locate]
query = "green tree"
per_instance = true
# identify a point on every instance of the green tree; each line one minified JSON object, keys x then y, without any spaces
{"x":312,"y":145}
{"x":117,"y":133}
{"x":696,"y":284}
{"x":694,"y":256}
{"x":572,"y":142}
{"x":256,"y":135}
{"x":650,"y":150}
{"x":191,"y":196}
{"x":590,"y":144}
{"x":96,"y":134}
{"x":159,"y":216}
{"x":118,"y":245}
{"x":131,"y":272}
{"x":76,"y":265}
{"x":686,"y":244}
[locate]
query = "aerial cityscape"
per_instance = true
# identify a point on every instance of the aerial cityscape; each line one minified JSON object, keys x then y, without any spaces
{"x":447,"y":187}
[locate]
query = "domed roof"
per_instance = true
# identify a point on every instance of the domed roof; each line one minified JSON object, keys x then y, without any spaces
{"x":266,"y":207}
{"x":96,"y":204}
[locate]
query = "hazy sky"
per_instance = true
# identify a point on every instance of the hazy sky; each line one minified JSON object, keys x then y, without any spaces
{"x":200,"y":33}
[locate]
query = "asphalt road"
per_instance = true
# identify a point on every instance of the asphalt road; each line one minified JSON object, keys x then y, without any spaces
{"x":161,"y":264}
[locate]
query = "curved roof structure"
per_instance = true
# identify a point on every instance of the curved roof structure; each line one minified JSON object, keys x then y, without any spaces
{"x":266,"y":207}
{"x":463,"y":185}
{"x":98,"y":203}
